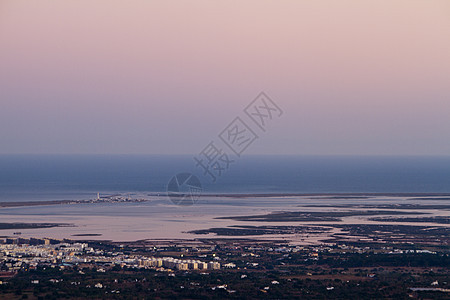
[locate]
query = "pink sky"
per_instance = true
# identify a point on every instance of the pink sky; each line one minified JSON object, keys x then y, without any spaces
{"x":353,"y":77}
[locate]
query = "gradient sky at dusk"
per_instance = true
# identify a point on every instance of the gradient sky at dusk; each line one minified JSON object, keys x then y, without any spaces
{"x":165,"y":77}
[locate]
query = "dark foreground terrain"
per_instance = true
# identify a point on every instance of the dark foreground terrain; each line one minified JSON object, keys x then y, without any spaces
{"x":321,"y":282}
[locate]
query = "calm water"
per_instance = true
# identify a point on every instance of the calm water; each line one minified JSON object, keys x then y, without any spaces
{"x":58,"y":177}
{"x":25,"y":178}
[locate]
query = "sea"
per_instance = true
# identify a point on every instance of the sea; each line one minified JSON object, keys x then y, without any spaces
{"x":69,"y":177}
{"x":288,"y":183}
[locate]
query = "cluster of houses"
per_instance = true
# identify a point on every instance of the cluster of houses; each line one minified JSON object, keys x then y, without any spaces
{"x":178,"y":264}
{"x":16,"y":255}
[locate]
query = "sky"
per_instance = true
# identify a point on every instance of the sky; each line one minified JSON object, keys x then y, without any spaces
{"x":352,"y":77}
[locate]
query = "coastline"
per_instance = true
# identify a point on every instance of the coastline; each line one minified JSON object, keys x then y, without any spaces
{"x":337,"y":196}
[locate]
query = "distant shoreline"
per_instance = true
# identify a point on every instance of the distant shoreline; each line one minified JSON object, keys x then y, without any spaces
{"x":337,"y":196}
{"x":349,"y":195}
{"x":37,"y":203}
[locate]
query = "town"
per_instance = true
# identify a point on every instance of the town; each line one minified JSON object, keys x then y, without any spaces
{"x":241,"y":268}
{"x":23,"y":254}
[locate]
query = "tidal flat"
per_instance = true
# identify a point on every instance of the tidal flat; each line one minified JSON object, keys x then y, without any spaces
{"x":302,"y":219}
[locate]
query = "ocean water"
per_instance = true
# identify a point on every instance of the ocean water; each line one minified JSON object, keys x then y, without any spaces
{"x":65,"y":177}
